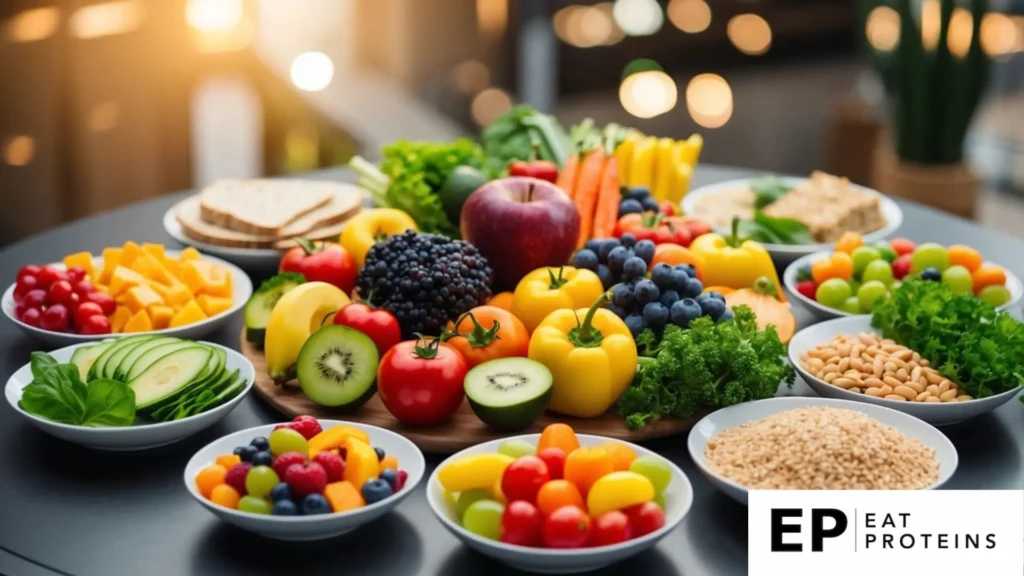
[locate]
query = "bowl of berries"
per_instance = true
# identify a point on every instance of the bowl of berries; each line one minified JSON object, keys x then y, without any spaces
{"x":304,"y":480}
{"x":559,"y":502}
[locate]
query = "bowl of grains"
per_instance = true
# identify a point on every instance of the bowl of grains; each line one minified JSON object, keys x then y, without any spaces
{"x":797,"y":443}
{"x":847,"y":359}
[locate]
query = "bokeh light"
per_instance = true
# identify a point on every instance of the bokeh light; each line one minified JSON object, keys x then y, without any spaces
{"x":709,"y":100}
{"x":750,"y":34}
{"x":638,"y":17}
{"x":471,"y":76}
{"x":489,"y":104}
{"x":214,"y":15}
{"x":33,"y":25}
{"x":691,"y":16}
{"x":999,"y":35}
{"x":882,"y":28}
{"x":312,"y":71}
{"x":587,"y":26}
{"x":98,"y":20}
{"x":648,"y":94}
{"x":931,"y":21}
{"x":960,"y":32}
{"x":19,"y":150}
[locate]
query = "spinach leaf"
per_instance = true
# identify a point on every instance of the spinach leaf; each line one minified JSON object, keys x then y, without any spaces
{"x":768,"y":190}
{"x":41,"y":361}
{"x":57,"y":393}
{"x":109,"y":403}
{"x":788,"y":230}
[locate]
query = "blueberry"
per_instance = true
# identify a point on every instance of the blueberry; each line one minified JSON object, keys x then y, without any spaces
{"x":716,"y":295}
{"x":585,"y":259}
{"x":727,"y":315}
{"x":622,"y":296}
{"x":606,"y":276}
{"x":693,"y":288}
{"x":376,"y":490}
{"x":668,"y":298}
{"x":650,"y":204}
{"x":646,"y":291}
{"x":639,"y":192}
{"x":606,"y":247}
{"x":635,"y":281}
{"x":594,"y":244}
{"x":617,"y":310}
{"x":712,"y":307}
{"x":390,"y":476}
{"x":635,"y":323}
{"x":645,"y":250}
{"x":262,"y":458}
{"x":679,"y":280}
{"x":246,"y":453}
{"x":655,"y":315}
{"x":628,"y":240}
{"x":617,"y":257}
{"x":281,"y":492}
{"x":634,"y":267}
{"x":315,"y":504}
{"x":630,"y":206}
{"x":690,"y":269}
{"x":285,"y":508}
{"x":931,"y":273}
{"x":684,"y":311}
{"x":661,"y":275}
{"x":380,"y":453}
{"x":260,"y":443}
{"x":238,"y":450}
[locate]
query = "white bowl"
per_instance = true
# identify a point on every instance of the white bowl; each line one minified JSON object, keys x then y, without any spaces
{"x":787,"y":252}
{"x":129,"y":438}
{"x":241,"y":291}
{"x":303,"y":528}
{"x":822,"y":312}
{"x":678,"y":499}
{"x":740,"y":414}
{"x":936,"y":414}
{"x":260,"y":259}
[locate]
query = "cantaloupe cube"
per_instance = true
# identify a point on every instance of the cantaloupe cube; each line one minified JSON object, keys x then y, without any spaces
{"x":343,"y":496}
{"x":178,"y":295}
{"x":119,"y":318}
{"x":173,"y":267}
{"x":141,"y":297}
{"x":189,"y":314}
{"x":192,"y":275}
{"x":154,"y":250}
{"x":129,"y":252}
{"x":220,"y":283}
{"x":152,"y":268}
{"x":161,"y":315}
{"x":213,"y":305}
{"x":82,"y":260}
{"x":124,"y":278}
{"x":111,"y":256}
{"x":139,"y":322}
{"x":162,"y":289}
{"x":189,"y":253}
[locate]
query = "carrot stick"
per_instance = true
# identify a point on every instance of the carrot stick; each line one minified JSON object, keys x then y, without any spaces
{"x":567,"y":177}
{"x":587,"y":187}
{"x":608,"y":198}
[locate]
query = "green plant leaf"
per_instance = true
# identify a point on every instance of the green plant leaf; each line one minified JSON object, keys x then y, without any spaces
{"x":41,"y":361}
{"x":57,"y":393}
{"x":767,"y":190}
{"x":109,"y":403}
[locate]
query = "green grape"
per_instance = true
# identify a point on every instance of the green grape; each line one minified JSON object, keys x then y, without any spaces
{"x":863,"y":256}
{"x":517,"y":448}
{"x":655,"y":469}
{"x":260,"y":480}
{"x":483,"y":518}
{"x":958,"y":279}
{"x":659,"y":499}
{"x":833,"y":292}
{"x":287,"y":440}
{"x":929,"y":255}
{"x":869,"y":294}
{"x":851,"y":305}
{"x":854,"y":285}
{"x":879,"y":270}
{"x":888,"y":254}
{"x":995,"y":295}
{"x":467,"y":498}
{"x":254,"y":505}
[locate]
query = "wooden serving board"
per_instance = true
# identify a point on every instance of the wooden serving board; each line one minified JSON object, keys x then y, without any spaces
{"x":462,"y":431}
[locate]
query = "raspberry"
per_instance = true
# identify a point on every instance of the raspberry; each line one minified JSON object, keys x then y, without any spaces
{"x":306,"y":425}
{"x":332,"y":464}
{"x":282,"y":462}
{"x":236,"y":476}
{"x":403,"y":476}
{"x":306,"y":479}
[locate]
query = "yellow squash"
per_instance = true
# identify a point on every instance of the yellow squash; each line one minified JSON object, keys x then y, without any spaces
{"x":371,"y":226}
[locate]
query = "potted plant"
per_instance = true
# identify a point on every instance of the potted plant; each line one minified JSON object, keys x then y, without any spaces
{"x":932,"y":96}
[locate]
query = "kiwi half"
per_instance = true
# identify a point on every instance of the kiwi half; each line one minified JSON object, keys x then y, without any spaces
{"x":337,"y":367}
{"x":508,"y":394}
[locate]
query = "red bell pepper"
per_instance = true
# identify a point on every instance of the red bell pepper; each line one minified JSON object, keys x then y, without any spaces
{"x":536,"y":169}
{"x":655,"y":227}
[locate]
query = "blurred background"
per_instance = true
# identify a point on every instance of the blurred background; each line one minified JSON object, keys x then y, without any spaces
{"x":104,"y":103}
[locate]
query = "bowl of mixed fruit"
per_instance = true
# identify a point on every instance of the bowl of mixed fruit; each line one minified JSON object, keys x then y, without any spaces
{"x":304,"y":480}
{"x":559,"y":502}
{"x":855,"y":276}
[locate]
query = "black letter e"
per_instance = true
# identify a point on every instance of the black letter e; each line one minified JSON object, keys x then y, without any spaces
{"x":779,"y":528}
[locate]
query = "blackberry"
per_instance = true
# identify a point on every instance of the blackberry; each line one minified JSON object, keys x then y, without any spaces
{"x":425,"y":280}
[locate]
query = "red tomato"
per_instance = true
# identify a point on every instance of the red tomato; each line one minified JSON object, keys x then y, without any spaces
{"x":645,"y":518}
{"x":97,"y":324}
{"x":901,"y":266}
{"x":83,"y":288}
{"x":75,"y":274}
{"x":667,"y":208}
{"x":28,"y":270}
{"x":55,"y":319}
{"x":697,"y":227}
{"x":84,"y":311}
{"x":60,"y":292}
{"x":523,"y":478}
{"x":379,"y":324}
{"x":554,"y":458}
{"x":34,"y":298}
{"x":902,"y":246}
{"x":808,"y":288}
{"x":610,"y":528}
{"x":106,"y":301}
{"x":486,"y":333}
{"x":32,"y":317}
{"x":327,"y":262}
{"x":23,"y":286}
{"x":567,"y":527}
{"x":421,"y":383}
{"x":521,"y":524}
{"x":48,"y":275}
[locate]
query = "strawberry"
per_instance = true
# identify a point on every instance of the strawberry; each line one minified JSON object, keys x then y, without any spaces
{"x":236,"y":476}
{"x":332,"y":464}
{"x":403,"y":476}
{"x":306,"y":479}
{"x":306,"y":425}
{"x":282,"y":462}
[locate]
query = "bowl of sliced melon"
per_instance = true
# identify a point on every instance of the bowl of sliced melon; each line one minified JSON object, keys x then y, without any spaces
{"x":130,"y":393}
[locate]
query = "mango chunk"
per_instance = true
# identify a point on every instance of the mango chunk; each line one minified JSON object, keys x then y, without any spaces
{"x":129,"y":252}
{"x":142,"y":297}
{"x":213,"y":305}
{"x":189,"y":314}
{"x":161,"y":315}
{"x":119,"y":318}
{"x":343,"y":496}
{"x":82,"y":260}
{"x":220,"y":282}
{"x":124,"y":278}
{"x":361,"y":462}
{"x":178,"y":295}
{"x":150,"y":267}
{"x":111,"y":257}
{"x":154,"y":250}
{"x":189,"y":253}
{"x":333,"y":438}
{"x":139,"y":322}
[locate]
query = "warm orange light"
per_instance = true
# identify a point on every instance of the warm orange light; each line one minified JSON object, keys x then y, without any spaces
{"x":750,"y":34}
{"x":33,"y":25}
{"x":492,"y":17}
{"x":690,"y":16}
{"x":214,"y":15}
{"x":709,"y":100}
{"x":588,"y":26}
{"x":104,"y":117}
{"x":471,"y":76}
{"x":648,"y":94}
{"x":931,"y":21}
{"x":999,"y":35}
{"x":960,"y":32}
{"x":882,"y":28}
{"x":19,"y":150}
{"x":489,"y":104}
{"x":98,"y":20}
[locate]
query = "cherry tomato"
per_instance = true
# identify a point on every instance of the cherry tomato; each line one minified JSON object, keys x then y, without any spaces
{"x":28,"y":270}
{"x":521,"y":524}
{"x":901,"y":266}
{"x":324,"y":262}
{"x":34,"y":299}
{"x":645,"y":518}
{"x":610,"y":528}
{"x":420,"y":382}
{"x":105,"y":301}
{"x":55,"y":318}
{"x":567,"y":527}
{"x":84,"y":311}
{"x":83,"y":288}
{"x":75,"y":274}
{"x":96,"y":324}
{"x":24,"y":284}
{"x":808,"y":288}
{"x":667,"y":208}
{"x":32,"y":317}
{"x":523,"y":478}
{"x":554,"y":459}
{"x":60,"y":293}
{"x":902,"y":246}
{"x":379,"y":324}
{"x":487,"y":332}
{"x":48,"y":275}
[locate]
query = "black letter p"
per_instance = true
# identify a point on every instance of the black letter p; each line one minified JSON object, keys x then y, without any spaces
{"x":818,"y":532}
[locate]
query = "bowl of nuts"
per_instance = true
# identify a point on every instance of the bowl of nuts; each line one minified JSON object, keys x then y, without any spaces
{"x":848,"y":359}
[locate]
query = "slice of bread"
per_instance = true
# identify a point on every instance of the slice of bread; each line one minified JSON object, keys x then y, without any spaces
{"x":330,"y":232}
{"x":262,"y":206}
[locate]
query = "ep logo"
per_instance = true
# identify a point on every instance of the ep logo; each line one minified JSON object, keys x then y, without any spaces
{"x":823,"y":523}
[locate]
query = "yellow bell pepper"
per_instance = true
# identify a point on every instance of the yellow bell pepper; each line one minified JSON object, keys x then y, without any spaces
{"x":681,"y":172}
{"x":664,"y":169}
{"x":591,"y":361}
{"x":624,"y":158}
{"x":728,"y":261}
{"x":641,"y":171}
{"x":367,"y":228}
{"x":542,"y":291}
{"x":692,"y":146}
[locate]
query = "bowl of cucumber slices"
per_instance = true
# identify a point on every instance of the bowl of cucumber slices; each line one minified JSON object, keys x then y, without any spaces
{"x":130,"y":393}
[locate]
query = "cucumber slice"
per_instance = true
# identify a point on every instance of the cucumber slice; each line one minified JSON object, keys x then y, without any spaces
{"x":206,"y":375}
{"x":259,"y":306}
{"x":99,"y":366}
{"x":122,"y":368}
{"x":508,"y":394}
{"x":86,"y":356}
{"x":169,"y":376}
{"x":153,"y":354}
{"x":234,"y":388}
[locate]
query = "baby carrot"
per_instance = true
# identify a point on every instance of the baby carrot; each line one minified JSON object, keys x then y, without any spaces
{"x":587,"y":187}
{"x":608,"y":199}
{"x":567,"y":177}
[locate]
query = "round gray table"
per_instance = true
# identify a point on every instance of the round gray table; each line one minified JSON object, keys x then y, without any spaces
{"x":70,"y":510}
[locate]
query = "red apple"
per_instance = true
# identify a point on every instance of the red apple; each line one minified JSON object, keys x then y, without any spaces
{"x":520,"y":224}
